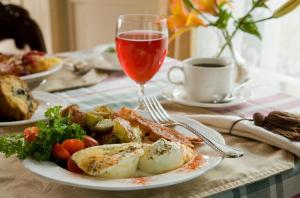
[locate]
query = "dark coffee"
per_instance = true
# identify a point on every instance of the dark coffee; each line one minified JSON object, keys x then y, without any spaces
{"x":208,"y":65}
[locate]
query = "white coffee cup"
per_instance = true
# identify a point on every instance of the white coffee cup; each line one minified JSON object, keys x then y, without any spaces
{"x":205,"y":79}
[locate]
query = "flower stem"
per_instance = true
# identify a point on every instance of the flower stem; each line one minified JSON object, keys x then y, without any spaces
{"x":265,"y":19}
{"x":228,"y":40}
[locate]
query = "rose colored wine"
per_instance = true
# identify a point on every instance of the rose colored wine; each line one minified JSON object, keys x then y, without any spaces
{"x":141,"y":53}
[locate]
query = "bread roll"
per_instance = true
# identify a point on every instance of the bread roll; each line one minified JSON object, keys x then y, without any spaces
{"x":16,"y":100}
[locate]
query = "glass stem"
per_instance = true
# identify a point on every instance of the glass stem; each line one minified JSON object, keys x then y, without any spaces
{"x":141,"y":92}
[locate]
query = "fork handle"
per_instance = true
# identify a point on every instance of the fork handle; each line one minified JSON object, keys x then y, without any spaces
{"x":224,"y":150}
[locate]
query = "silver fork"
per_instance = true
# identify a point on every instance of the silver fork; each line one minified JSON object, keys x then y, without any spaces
{"x":159,"y":115}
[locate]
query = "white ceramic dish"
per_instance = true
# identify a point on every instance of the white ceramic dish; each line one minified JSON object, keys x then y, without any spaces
{"x":179,"y":96}
{"x":55,"y":173}
{"x":33,"y":80}
{"x":46,"y":100}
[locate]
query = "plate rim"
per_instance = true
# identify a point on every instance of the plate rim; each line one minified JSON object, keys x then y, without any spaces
{"x":37,"y":95}
{"x":41,"y":74}
{"x":218,"y":159}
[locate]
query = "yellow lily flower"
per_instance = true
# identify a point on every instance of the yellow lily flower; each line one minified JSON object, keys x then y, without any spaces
{"x":286,"y":8}
{"x":207,"y":6}
{"x":171,"y":23}
{"x":177,"y":8}
{"x":179,"y":14}
{"x":181,"y":20}
{"x":194,"y":20}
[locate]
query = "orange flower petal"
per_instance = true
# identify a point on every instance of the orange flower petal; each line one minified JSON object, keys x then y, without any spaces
{"x":171,"y":23}
{"x":177,"y":8}
{"x":207,"y":6}
{"x":194,"y":20}
{"x":222,"y":1}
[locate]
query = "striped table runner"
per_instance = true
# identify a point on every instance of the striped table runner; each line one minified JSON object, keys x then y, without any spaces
{"x":118,"y":90}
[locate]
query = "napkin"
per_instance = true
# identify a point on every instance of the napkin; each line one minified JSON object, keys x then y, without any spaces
{"x":67,"y":79}
{"x":246,"y":128}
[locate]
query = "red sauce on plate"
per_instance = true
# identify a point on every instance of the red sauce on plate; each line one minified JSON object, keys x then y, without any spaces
{"x":194,"y":164}
{"x":141,"y":180}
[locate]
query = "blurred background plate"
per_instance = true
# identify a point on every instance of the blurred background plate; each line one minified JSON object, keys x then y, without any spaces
{"x":34,"y":80}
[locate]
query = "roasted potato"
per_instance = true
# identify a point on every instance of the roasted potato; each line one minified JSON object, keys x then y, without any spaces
{"x":103,"y":126}
{"x":124,"y":132}
{"x":107,"y":138}
{"x":92,"y":119}
{"x":104,"y":111}
{"x":76,"y":115}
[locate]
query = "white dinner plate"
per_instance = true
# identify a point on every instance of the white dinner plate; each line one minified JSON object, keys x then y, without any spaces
{"x":46,"y":100}
{"x":179,"y":96}
{"x":188,"y":172}
{"x":33,"y":80}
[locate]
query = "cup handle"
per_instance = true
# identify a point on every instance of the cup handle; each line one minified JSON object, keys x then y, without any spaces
{"x":170,"y":73}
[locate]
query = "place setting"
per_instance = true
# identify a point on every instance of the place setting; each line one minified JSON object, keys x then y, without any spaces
{"x":137,"y":151}
{"x":108,"y":121}
{"x":216,"y":78}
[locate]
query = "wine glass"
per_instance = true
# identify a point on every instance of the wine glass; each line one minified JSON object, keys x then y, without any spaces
{"x":141,"y":43}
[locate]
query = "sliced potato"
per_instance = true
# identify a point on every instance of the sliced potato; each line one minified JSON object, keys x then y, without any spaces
{"x":103,"y":125}
{"x":92,"y":119}
{"x":107,"y":138}
{"x":123,"y":130}
{"x":137,"y":134}
{"x":104,"y":111}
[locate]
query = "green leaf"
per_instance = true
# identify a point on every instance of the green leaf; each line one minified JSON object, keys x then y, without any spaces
{"x":52,"y":130}
{"x":248,"y":25}
{"x":223,"y":17}
{"x":189,"y":4}
{"x":110,"y":50}
{"x":260,"y":3}
{"x":13,"y":144}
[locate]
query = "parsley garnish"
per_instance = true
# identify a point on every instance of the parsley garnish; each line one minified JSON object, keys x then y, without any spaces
{"x":52,"y":130}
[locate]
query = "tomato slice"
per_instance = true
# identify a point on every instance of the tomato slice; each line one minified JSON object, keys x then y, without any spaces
{"x":89,"y":141}
{"x":73,"y":145}
{"x":31,"y":133}
{"x":72,"y":166}
{"x":59,"y":152}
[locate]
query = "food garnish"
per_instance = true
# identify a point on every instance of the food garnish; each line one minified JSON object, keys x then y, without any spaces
{"x":110,"y":50}
{"x":55,"y":129}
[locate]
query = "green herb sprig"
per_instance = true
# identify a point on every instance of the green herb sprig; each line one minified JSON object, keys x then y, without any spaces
{"x":55,"y":129}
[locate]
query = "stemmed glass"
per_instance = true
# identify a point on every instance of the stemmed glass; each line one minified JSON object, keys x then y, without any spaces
{"x":141,"y":43}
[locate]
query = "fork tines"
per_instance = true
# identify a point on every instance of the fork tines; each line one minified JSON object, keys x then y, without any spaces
{"x":156,"y":110}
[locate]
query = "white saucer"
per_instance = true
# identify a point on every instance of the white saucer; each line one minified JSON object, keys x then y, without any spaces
{"x":178,"y":95}
{"x":46,"y":100}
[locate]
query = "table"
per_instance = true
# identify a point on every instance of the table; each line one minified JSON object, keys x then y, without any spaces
{"x":120,"y":91}
{"x":117,"y":90}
